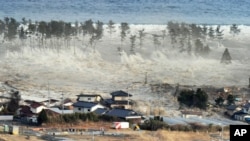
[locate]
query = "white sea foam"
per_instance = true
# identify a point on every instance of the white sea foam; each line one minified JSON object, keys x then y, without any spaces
{"x":104,"y":69}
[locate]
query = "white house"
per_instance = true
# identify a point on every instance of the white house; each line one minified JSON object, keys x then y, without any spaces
{"x":86,"y":107}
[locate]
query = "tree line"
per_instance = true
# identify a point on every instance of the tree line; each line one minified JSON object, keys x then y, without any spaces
{"x":190,"y":38}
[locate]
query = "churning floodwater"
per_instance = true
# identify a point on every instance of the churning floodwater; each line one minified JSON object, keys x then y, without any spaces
{"x":131,"y":11}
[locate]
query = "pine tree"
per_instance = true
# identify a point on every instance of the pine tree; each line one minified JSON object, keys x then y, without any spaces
{"x":198,"y":47}
{"x":234,"y":30}
{"x":211,"y":33}
{"x":13,"y":104}
{"x":204,"y":31}
{"x":206,"y":50}
{"x":226,"y":57}
{"x":88,"y":27}
{"x":111,"y":27}
{"x":189,"y":47}
{"x":141,"y":37}
{"x":2,"y":27}
{"x":124,"y":30}
{"x":12,"y":28}
{"x":132,"y":40}
{"x":219,"y":33}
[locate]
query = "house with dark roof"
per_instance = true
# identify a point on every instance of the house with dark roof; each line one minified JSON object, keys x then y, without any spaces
{"x":246,"y":108}
{"x":241,"y":115}
{"x":37,"y":107}
{"x":100,"y":111}
{"x":86,"y":107}
{"x":26,"y":115}
{"x":67,"y":102}
{"x":120,"y":95}
{"x":50,"y":102}
{"x":24,"y":110}
{"x":89,"y":98}
{"x":231,"y":109}
{"x":120,"y":99}
{"x":124,"y":114}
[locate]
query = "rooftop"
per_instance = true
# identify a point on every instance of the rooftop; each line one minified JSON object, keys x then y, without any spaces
{"x":35,"y":105}
{"x":88,"y":95}
{"x":84,"y":104}
{"x":120,"y":93}
{"x":122,"y":113}
{"x":121,"y":102}
{"x":100,"y":111}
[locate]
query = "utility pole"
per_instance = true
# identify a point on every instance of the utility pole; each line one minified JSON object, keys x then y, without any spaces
{"x":128,"y":97}
{"x":48,"y":96}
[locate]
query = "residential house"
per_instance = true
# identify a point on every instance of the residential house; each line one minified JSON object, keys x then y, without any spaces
{"x":36,"y":107}
{"x":26,"y":115}
{"x":24,"y":110}
{"x":125,"y":114}
{"x":241,"y":116}
{"x":120,"y":99}
{"x":231,"y":109}
{"x":89,"y":98}
{"x":86,"y":107}
{"x":50,"y":102}
{"x":246,"y":108}
{"x":67,"y":104}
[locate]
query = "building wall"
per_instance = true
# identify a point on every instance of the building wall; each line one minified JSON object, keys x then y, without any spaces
{"x":32,"y":119}
{"x":81,"y":110}
{"x":90,"y":99}
{"x":86,"y":110}
{"x":239,"y":117}
{"x":120,"y":105}
{"x":96,"y":107}
{"x":119,"y":98}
